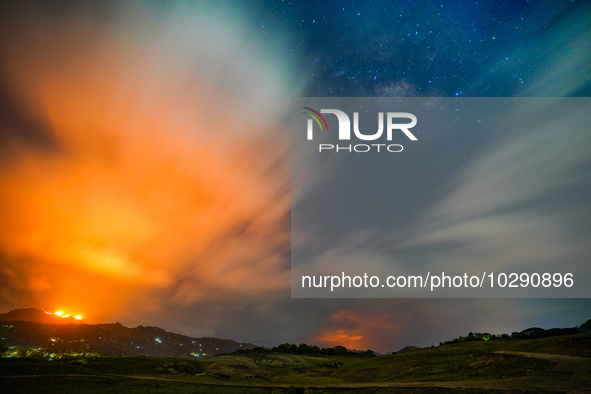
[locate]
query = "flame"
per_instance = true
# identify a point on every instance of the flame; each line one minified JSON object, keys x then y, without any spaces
{"x":63,"y":315}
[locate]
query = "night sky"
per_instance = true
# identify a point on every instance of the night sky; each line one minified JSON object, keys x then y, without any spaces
{"x":144,"y":156}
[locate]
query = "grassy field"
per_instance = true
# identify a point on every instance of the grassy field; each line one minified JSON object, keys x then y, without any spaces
{"x":558,"y":364}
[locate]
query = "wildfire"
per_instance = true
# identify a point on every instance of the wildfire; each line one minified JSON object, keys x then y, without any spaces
{"x":63,"y":315}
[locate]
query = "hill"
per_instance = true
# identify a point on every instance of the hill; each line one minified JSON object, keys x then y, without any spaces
{"x":545,"y":365}
{"x":73,"y":358}
{"x":53,"y":340}
{"x":39,"y":316}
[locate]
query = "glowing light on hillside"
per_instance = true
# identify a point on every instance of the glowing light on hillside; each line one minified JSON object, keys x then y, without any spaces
{"x":63,"y":315}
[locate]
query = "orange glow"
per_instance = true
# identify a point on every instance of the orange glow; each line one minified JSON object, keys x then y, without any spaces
{"x":63,"y":315}
{"x":356,"y":329}
{"x":340,"y":337}
{"x":158,"y":180}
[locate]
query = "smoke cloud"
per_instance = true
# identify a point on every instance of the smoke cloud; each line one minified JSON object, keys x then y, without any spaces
{"x":143,"y":158}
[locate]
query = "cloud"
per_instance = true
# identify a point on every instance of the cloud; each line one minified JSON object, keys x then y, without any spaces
{"x":512,"y":207}
{"x":162,"y":166}
{"x":515,"y":203}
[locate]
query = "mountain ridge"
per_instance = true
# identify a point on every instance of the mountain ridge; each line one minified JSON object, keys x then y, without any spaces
{"x":66,"y":337}
{"x":39,"y":316}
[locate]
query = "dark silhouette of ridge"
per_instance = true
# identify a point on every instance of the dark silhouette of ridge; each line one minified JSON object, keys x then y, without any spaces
{"x":38,"y":316}
{"x":44,"y":334}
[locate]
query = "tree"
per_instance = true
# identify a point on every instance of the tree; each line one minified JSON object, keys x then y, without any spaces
{"x":585,"y":327}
